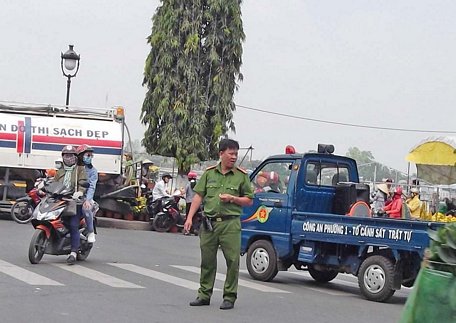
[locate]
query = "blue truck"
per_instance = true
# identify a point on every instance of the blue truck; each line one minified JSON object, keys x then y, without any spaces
{"x":311,"y":212}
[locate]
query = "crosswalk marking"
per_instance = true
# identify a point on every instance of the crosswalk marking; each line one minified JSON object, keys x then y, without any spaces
{"x":97,"y":276}
{"x":26,"y":276}
{"x":241,"y":282}
{"x":158,"y":275}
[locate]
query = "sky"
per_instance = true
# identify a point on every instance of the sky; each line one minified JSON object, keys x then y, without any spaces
{"x":373,"y":63}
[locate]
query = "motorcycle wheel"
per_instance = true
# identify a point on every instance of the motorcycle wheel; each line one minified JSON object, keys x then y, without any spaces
{"x":162,"y":222}
{"x":83,"y":254}
{"x":21,"y":212}
{"x":37,"y":246}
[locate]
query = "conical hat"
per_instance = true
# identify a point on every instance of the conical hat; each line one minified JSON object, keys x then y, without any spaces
{"x":383,"y":187}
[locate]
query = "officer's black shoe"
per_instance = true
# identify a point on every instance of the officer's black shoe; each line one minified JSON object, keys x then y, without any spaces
{"x":226,"y":305}
{"x":200,"y":302}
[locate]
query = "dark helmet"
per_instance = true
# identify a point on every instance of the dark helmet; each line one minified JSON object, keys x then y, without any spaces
{"x":166,"y":175}
{"x":69,"y":149}
{"x":83,"y":148}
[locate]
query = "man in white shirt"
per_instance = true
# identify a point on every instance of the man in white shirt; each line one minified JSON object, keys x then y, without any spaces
{"x":159,"y":190}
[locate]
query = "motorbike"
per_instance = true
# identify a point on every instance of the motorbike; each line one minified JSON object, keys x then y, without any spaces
{"x":196,"y":222}
{"x":22,"y":210}
{"x":51,"y":236}
{"x":169,"y":214}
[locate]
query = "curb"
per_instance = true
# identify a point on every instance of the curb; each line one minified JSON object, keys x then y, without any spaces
{"x":103,"y":222}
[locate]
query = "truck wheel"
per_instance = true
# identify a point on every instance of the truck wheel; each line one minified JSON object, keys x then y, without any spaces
{"x":322,"y":276}
{"x":409,"y":283}
{"x":375,"y":278}
{"x":262,"y":261}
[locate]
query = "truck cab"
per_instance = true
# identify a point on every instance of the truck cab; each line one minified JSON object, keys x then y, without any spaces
{"x":311,"y":212}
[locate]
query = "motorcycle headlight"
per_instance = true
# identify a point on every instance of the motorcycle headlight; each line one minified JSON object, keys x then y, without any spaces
{"x":51,"y":215}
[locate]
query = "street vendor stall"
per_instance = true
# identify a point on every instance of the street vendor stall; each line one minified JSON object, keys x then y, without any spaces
{"x":435,"y":160}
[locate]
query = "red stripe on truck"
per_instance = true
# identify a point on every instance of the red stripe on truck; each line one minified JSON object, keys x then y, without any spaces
{"x":8,"y":136}
{"x":77,"y":141}
{"x":20,"y":137}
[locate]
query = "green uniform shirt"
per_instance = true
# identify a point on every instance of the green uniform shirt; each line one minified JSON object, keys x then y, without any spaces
{"x":213,"y":183}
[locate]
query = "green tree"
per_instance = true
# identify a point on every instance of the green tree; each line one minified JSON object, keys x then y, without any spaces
{"x":366,"y":163}
{"x":191,"y":73}
{"x":371,"y":170}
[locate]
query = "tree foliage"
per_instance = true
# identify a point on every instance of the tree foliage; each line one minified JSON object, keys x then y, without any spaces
{"x":191,"y":74}
{"x":371,"y":170}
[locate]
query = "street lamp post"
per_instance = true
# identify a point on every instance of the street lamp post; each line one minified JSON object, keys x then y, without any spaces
{"x":69,"y":61}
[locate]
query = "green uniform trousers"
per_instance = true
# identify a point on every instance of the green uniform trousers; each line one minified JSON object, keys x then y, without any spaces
{"x":227,"y":234}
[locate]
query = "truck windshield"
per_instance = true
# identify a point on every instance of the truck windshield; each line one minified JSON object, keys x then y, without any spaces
{"x":326,"y":174}
{"x":273,"y":177}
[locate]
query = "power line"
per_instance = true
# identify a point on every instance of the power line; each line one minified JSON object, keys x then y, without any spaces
{"x":354,"y":125}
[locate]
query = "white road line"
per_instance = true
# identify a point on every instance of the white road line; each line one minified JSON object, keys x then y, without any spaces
{"x":320,"y":290}
{"x":158,"y":275}
{"x":25,"y":275}
{"x":97,"y":276}
{"x":244,"y":283}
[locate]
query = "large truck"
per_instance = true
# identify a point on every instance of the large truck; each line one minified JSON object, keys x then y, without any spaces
{"x":33,"y":135}
{"x":310,"y":211}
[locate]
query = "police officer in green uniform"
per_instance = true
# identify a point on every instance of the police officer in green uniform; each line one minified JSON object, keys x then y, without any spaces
{"x":225,"y":189}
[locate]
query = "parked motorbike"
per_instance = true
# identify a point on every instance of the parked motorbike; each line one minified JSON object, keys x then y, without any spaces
{"x":51,"y":236}
{"x":196,"y":223}
{"x":169,"y":215}
{"x":22,"y":210}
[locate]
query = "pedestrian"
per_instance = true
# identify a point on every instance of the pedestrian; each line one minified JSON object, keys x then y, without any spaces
{"x":224,"y":189}
{"x":414,"y":203}
{"x":379,"y":199}
{"x":85,"y":156}
{"x":189,"y":193}
{"x":394,"y":209}
{"x":129,"y":172}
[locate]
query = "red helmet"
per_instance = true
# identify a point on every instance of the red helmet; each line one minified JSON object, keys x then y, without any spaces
{"x":192,"y":175}
{"x":69,"y":149}
{"x":83,"y":148}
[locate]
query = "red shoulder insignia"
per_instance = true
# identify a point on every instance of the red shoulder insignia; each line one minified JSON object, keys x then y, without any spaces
{"x":211,"y":167}
{"x":241,"y":170}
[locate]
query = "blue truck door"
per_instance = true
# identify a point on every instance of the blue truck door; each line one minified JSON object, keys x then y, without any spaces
{"x":271,"y":207}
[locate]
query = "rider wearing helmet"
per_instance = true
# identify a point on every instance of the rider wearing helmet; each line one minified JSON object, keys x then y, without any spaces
{"x":160,"y":190}
{"x":85,"y":155}
{"x":70,"y":175}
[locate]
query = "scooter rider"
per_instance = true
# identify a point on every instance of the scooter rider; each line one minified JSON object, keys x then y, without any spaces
{"x":85,"y":155}
{"x":160,"y":191}
{"x":70,"y":175}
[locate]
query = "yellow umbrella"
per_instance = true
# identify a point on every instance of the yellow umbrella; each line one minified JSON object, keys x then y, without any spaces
{"x":435,"y":159}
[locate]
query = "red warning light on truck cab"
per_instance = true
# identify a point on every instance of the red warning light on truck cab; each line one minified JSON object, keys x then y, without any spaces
{"x":289,"y":149}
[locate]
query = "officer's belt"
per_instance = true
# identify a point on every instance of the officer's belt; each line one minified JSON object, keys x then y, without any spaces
{"x":220,"y":218}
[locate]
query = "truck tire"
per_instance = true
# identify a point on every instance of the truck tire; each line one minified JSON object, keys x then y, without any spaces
{"x":375,"y":278}
{"x":262,"y":261}
{"x":322,"y":276}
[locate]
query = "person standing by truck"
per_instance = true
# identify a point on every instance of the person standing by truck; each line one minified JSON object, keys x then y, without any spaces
{"x":225,"y":189}
{"x":85,"y":156}
{"x":70,"y":175}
